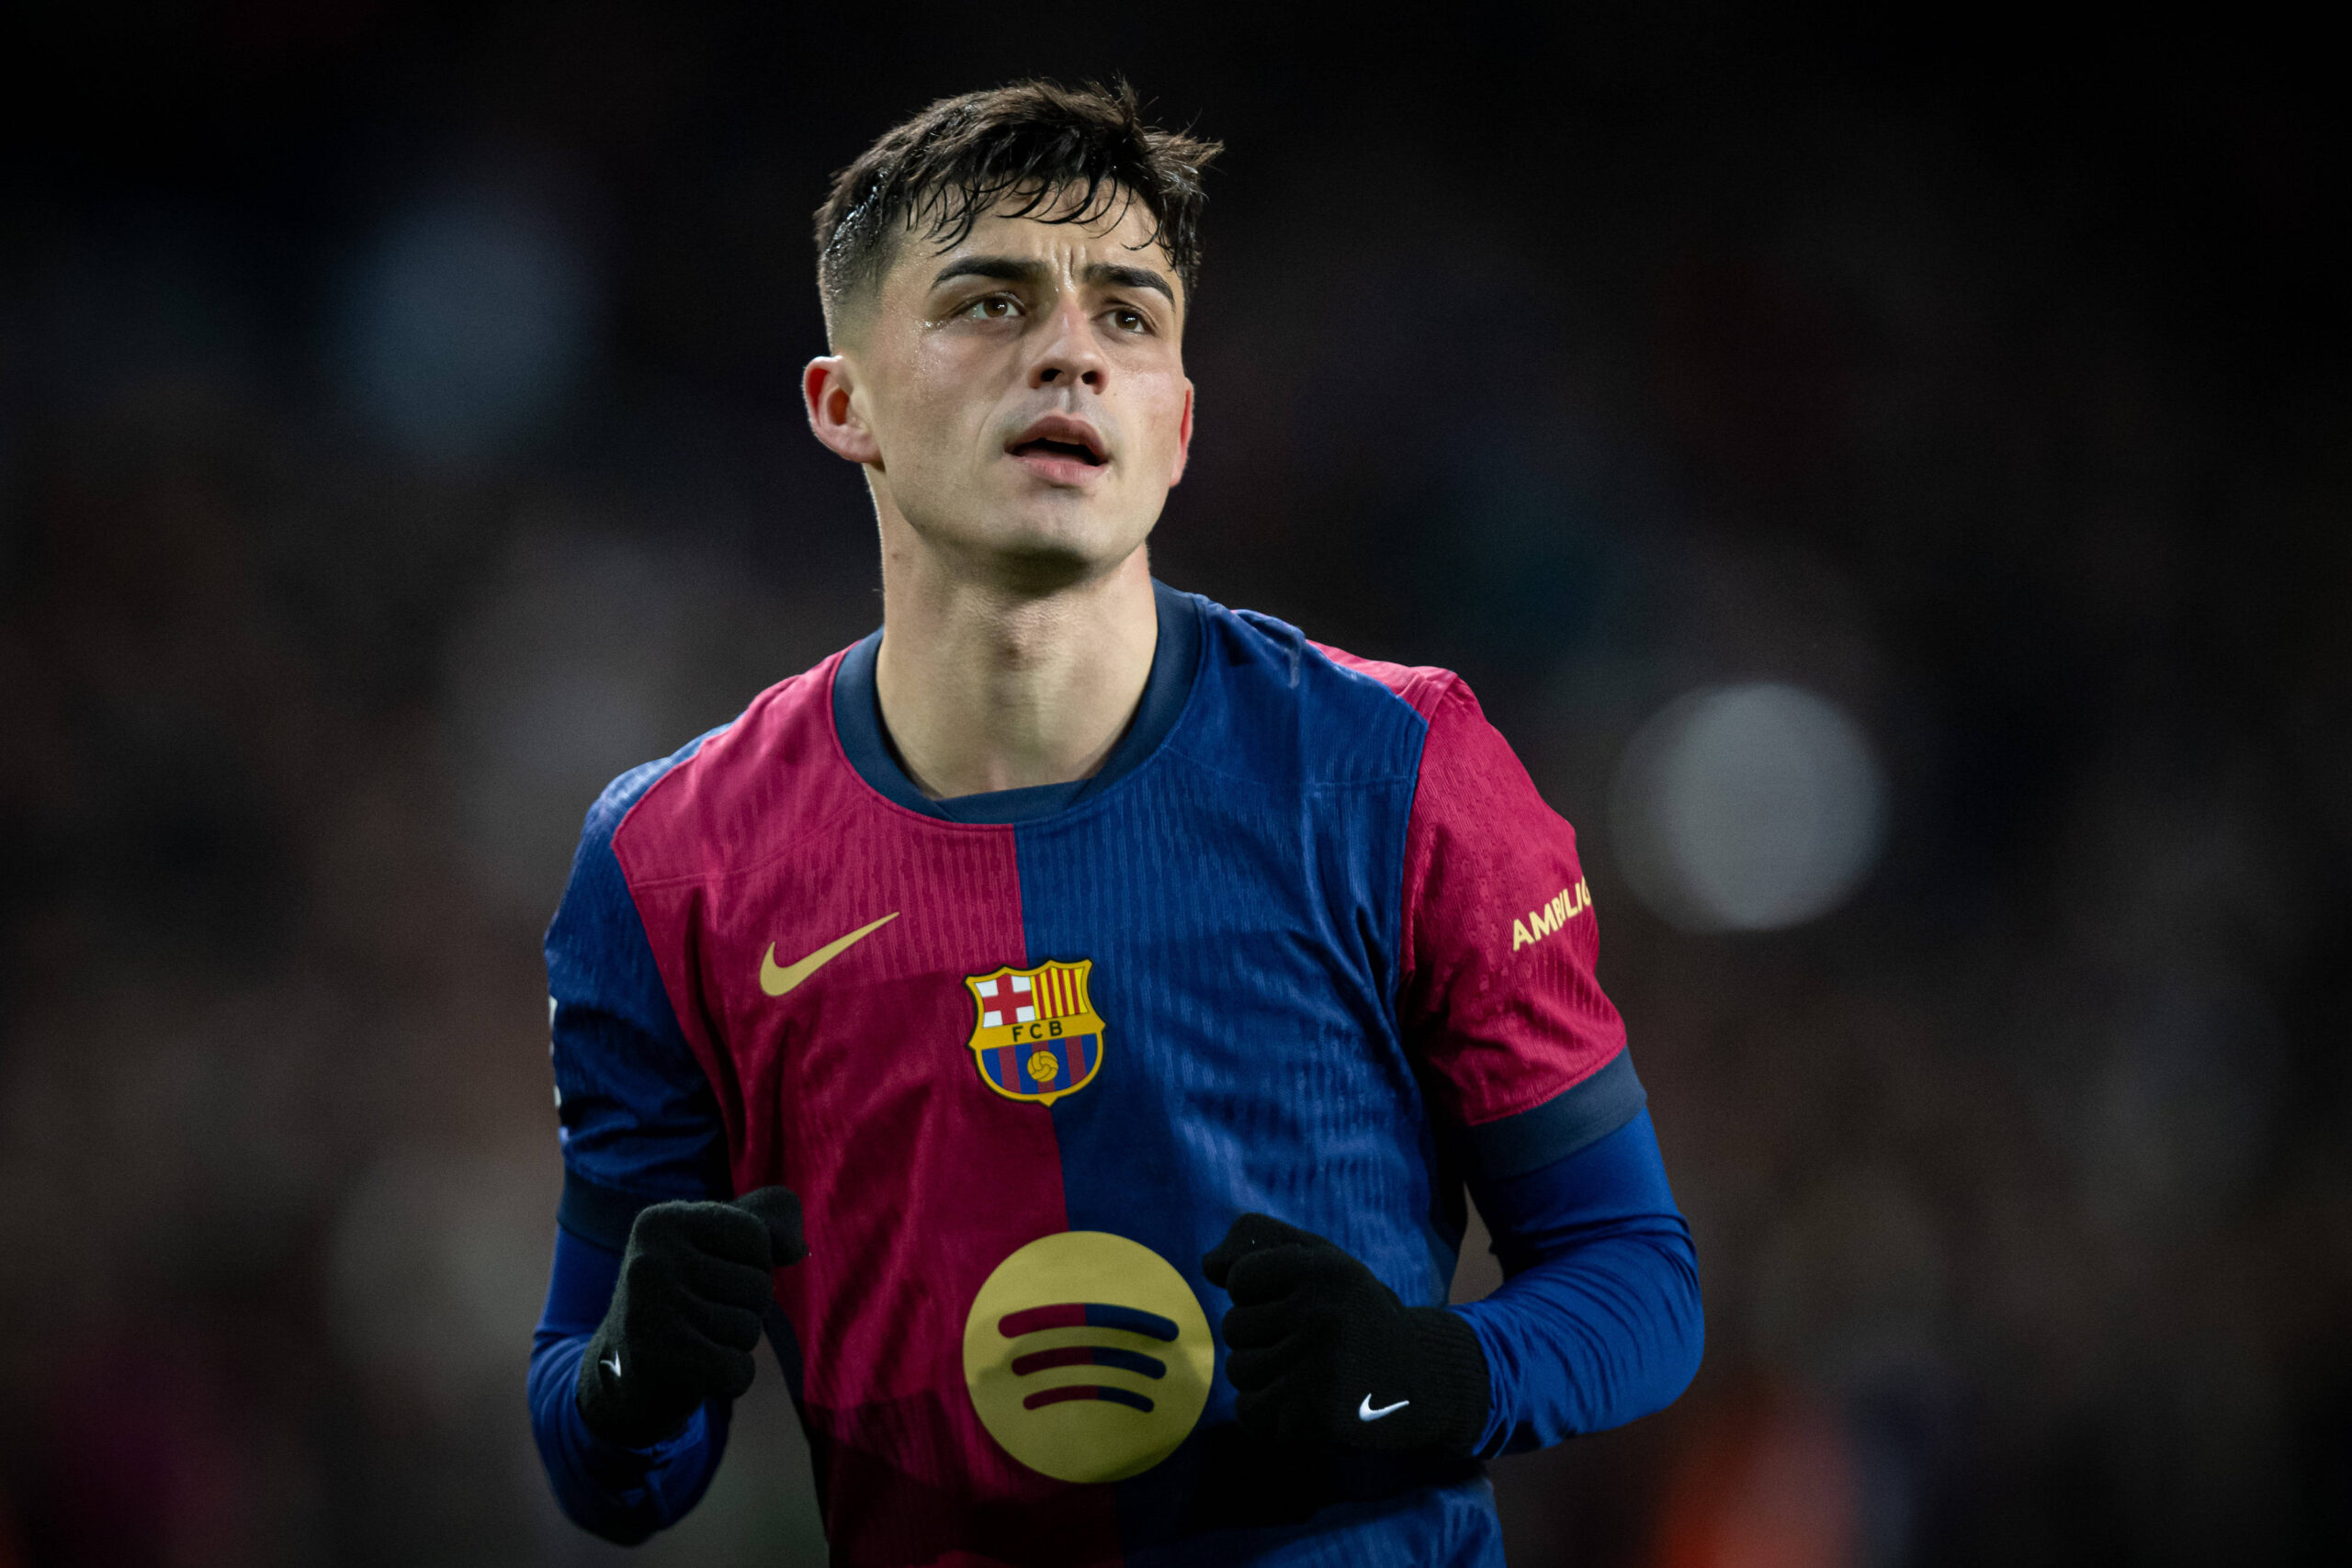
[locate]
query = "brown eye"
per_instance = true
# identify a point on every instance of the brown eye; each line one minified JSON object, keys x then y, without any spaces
{"x":1129,"y":321}
{"x":993,"y":307}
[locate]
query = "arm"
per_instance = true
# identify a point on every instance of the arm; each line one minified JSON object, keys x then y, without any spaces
{"x":622,"y":1493}
{"x":640,"y":1356}
{"x":1598,"y":1320}
{"x":639,"y":1125}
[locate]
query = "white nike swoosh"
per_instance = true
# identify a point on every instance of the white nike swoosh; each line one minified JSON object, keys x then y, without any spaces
{"x":1365,"y":1412}
{"x":775,"y":978}
{"x":614,"y":1364}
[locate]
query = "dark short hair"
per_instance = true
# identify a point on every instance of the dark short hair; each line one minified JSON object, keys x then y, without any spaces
{"x":954,"y":163}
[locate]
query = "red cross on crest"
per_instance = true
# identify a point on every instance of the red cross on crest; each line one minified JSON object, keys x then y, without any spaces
{"x":1035,"y":1035}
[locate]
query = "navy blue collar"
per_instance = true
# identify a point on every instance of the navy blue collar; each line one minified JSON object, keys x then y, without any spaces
{"x":857,"y":717}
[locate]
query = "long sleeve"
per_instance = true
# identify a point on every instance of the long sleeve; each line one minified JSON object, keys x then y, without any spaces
{"x":638,"y":1124}
{"x":1597,"y":1320}
{"x":623,"y":1494}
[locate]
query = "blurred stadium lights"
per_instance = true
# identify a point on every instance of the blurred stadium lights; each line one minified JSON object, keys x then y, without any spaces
{"x":464,"y":326}
{"x":1747,"y":808}
{"x":2176,"y":1125}
{"x":1771,"y":1482}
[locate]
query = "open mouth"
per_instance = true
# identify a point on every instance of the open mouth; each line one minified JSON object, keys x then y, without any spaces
{"x":1057,"y":439}
{"x":1077,"y":451}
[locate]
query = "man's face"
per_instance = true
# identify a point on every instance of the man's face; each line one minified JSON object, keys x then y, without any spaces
{"x":1020,"y":398}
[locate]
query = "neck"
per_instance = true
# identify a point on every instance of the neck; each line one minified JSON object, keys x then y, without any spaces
{"x":987,"y":684}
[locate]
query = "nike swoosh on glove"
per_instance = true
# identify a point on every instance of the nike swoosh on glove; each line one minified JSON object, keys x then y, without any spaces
{"x":696,"y":1283}
{"x":1320,"y":1349}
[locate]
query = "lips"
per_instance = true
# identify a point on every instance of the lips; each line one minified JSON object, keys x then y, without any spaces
{"x":1060,"y":438}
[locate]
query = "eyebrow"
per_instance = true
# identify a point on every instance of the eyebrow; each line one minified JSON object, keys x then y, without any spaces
{"x":1016,"y":269}
{"x":1006,"y":269}
{"x":1129,"y":278}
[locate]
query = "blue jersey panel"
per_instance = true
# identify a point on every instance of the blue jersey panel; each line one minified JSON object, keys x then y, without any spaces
{"x":637,"y":1120}
{"x":1240,"y":898}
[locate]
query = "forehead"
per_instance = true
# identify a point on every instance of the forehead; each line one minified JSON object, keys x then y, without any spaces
{"x":1124,"y":235}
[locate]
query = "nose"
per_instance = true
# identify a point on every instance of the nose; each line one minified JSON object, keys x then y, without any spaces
{"x":1068,"y":353}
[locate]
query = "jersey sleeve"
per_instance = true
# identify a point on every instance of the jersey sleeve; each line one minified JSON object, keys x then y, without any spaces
{"x":1496,"y":987}
{"x":623,"y":1494}
{"x":636,"y":1117}
{"x":1598,"y":1320}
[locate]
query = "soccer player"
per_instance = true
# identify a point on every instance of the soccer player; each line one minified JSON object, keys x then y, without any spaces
{"x":1065,"y":1022}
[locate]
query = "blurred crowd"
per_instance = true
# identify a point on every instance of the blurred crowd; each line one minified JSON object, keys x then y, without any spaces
{"x":1894,"y":500}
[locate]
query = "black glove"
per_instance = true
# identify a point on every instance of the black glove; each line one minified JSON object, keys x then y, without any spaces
{"x":695,"y":1282}
{"x":1322,"y":1350}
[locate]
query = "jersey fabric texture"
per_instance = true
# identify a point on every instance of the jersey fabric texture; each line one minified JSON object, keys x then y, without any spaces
{"x":1310,"y":944}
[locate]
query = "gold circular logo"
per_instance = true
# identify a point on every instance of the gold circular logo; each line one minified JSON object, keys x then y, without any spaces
{"x":1043,"y":1067}
{"x":1088,"y":1357}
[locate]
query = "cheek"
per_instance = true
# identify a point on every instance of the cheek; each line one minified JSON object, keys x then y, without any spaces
{"x":1163,"y":413}
{"x":938,"y":402}
{"x":966,"y":414}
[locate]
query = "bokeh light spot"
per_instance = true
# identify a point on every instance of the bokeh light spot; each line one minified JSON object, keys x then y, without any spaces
{"x":464,"y":326}
{"x":1749,"y":807}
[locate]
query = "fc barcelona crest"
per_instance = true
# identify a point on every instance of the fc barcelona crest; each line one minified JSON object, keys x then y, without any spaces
{"x":1034,"y":1034}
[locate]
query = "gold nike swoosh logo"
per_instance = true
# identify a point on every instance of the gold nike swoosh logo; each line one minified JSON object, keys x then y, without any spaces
{"x":776,"y":979}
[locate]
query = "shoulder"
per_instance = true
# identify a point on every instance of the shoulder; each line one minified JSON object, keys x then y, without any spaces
{"x":621,"y":796}
{"x":1348,"y":683}
{"x":1441,"y":699}
{"x":1308,"y":664}
{"x":1264,"y":649}
{"x":1460,"y":758}
{"x":1421,"y":687}
{"x":1270,"y":703}
{"x":725,"y":793}
{"x":1355,"y":713}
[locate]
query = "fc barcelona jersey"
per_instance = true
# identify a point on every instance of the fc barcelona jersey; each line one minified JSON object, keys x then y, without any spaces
{"x":1310,"y":944}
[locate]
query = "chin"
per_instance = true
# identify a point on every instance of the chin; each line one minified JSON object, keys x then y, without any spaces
{"x":1054,"y":544}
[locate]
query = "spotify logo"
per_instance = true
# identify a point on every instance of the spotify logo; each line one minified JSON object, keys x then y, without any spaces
{"x":1086,"y":1355}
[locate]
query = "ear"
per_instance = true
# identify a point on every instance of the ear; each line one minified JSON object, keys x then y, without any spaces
{"x":833,"y":414}
{"x":1184,"y":436}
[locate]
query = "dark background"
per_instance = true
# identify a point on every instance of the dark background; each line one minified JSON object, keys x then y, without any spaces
{"x":398,"y":436}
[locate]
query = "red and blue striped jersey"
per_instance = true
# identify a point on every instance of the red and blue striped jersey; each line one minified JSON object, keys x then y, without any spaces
{"x":1310,"y":944}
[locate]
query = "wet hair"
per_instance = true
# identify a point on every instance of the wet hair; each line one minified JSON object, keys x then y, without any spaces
{"x":1037,"y":150}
